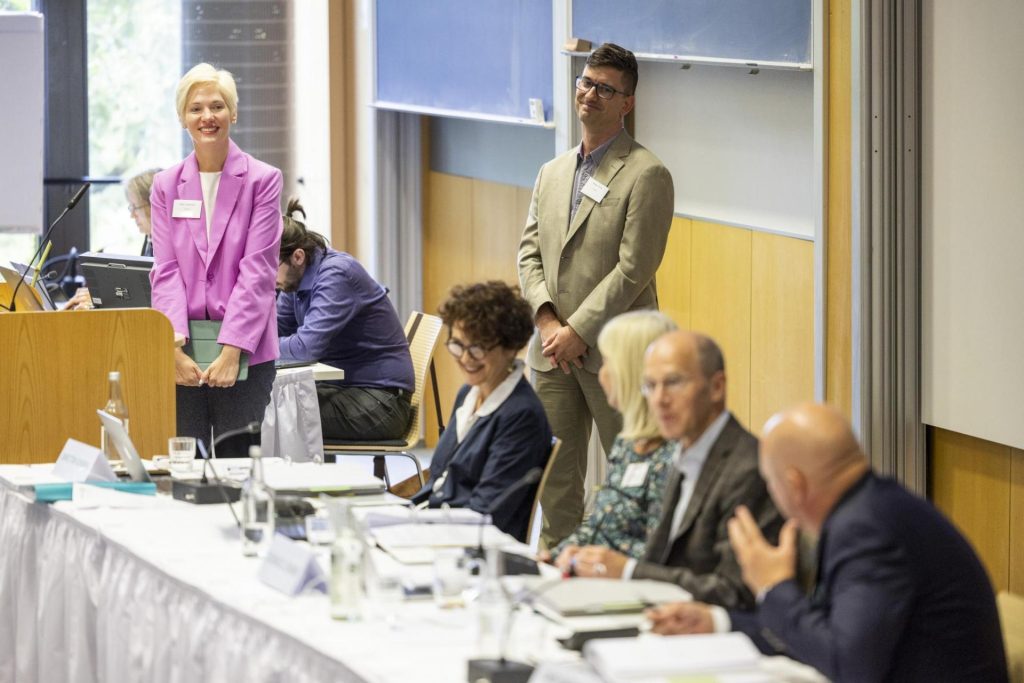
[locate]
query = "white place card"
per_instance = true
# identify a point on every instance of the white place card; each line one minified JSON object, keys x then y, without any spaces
{"x":291,"y":567}
{"x":81,"y":462}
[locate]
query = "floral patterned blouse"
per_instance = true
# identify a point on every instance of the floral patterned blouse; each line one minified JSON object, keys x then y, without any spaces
{"x":624,"y":515}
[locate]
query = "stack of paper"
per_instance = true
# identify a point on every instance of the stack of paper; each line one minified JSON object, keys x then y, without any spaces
{"x":646,"y":657}
{"x":584,"y":596}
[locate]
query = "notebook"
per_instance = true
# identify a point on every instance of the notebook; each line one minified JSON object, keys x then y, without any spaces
{"x":202,"y":346}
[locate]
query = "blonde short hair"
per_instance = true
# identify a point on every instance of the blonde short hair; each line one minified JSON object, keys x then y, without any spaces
{"x":202,"y":75}
{"x":622,"y":343}
{"x":139,"y":185}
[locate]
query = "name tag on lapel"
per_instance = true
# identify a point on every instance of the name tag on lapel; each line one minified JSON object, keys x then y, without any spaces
{"x":595,"y":190}
{"x":186,"y":208}
{"x":635,"y":475}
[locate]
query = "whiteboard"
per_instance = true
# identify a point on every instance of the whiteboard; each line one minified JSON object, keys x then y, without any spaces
{"x":740,"y":147}
{"x":469,"y":58}
{"x":774,"y":31}
{"x":21,"y":122}
{"x":972,"y":160}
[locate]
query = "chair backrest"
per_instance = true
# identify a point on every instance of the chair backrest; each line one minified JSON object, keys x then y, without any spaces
{"x":421,"y":331}
{"x":1011,"y":616}
{"x":533,"y":530}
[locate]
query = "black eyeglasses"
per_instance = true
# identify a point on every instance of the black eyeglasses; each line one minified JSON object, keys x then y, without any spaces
{"x":476,"y":351}
{"x":604,"y":91}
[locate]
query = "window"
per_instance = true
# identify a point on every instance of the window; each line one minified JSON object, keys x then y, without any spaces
{"x":134,"y":63}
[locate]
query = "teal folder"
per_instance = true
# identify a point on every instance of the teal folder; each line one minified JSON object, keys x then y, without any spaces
{"x":48,"y":493}
{"x":202,"y":346}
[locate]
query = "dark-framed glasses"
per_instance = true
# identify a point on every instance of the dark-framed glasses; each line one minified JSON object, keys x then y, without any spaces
{"x":476,"y":351}
{"x":604,"y":91}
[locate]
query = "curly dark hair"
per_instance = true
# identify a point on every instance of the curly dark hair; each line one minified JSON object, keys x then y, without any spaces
{"x":490,"y":312}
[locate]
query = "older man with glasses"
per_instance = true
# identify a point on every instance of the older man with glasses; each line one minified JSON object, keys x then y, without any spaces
{"x":714,"y":471}
{"x":594,"y":238}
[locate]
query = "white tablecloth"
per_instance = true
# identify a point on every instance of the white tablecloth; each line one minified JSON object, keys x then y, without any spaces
{"x":163,"y":593}
{"x":152,"y":589}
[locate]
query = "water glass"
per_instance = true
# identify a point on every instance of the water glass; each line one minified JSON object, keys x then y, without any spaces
{"x":451,"y":577}
{"x":181,"y":450}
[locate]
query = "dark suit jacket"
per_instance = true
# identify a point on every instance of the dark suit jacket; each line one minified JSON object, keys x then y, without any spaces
{"x":900,"y":596}
{"x":496,"y":453}
{"x":700,"y":558}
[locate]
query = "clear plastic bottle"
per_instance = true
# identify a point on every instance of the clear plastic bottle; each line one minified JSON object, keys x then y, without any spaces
{"x":492,"y":609}
{"x":115,"y":406}
{"x":346,"y":588}
{"x":257,"y":509}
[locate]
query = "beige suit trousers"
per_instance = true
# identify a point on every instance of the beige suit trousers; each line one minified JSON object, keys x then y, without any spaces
{"x":573,"y":403}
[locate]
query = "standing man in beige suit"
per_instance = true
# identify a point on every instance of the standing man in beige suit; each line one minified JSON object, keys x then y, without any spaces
{"x":598,"y":224}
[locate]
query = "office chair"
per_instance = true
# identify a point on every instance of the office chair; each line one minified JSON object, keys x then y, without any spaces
{"x":421,"y":331}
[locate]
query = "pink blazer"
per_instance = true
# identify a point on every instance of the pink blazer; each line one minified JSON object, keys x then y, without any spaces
{"x":231,"y":277}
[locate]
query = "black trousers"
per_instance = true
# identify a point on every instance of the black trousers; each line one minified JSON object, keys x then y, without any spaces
{"x":226,"y":409}
{"x":362,"y":413}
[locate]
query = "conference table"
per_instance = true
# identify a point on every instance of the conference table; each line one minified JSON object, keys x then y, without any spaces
{"x":120,"y":587}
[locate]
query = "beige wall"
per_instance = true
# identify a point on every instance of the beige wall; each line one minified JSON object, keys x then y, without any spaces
{"x":752,"y":291}
{"x":980,"y":486}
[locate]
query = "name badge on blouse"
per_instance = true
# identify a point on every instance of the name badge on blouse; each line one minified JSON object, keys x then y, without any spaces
{"x":595,"y":190}
{"x":186,"y":208}
{"x":635,"y":475}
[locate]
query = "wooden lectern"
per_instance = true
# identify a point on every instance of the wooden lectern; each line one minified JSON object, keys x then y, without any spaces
{"x":53,"y":378}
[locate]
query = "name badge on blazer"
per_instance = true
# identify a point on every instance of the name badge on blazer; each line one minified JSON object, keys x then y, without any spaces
{"x":595,"y":190}
{"x":186,"y":208}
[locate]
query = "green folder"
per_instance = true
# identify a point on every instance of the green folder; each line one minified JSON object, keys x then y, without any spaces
{"x":202,"y":346}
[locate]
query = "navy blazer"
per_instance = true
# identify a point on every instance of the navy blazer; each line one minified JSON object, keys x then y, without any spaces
{"x":498,"y":450}
{"x":900,"y":596}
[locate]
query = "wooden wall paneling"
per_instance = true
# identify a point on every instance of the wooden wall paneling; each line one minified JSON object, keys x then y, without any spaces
{"x":838,"y":289}
{"x":970,"y":483}
{"x":673,"y":276}
{"x":341,"y":27}
{"x":497,"y":229}
{"x":448,"y":259}
{"x":781,"y":325}
{"x":1016,"y":531}
{"x":720,"y":300}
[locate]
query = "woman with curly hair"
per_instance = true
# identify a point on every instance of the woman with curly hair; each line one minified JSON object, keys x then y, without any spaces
{"x":498,"y":431}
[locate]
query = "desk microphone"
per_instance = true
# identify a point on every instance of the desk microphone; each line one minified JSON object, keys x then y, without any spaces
{"x":203,"y":492}
{"x":43,"y":242}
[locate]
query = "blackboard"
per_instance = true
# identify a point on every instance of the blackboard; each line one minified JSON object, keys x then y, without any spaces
{"x":480,"y":59}
{"x":766,"y":32}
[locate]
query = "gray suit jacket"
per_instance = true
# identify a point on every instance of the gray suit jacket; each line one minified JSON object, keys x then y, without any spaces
{"x":700,"y":558}
{"x":603,"y":262}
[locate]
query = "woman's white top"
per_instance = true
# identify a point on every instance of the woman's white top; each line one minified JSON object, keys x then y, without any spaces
{"x":210,"y":181}
{"x":467,"y":414}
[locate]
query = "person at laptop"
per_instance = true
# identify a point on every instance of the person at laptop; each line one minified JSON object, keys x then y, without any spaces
{"x":216,"y":234}
{"x":713,"y":472}
{"x":136,"y":190}
{"x":330,"y":310}
{"x":498,"y":431}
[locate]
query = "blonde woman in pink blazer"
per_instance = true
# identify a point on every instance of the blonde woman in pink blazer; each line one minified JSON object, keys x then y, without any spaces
{"x":216,"y":233}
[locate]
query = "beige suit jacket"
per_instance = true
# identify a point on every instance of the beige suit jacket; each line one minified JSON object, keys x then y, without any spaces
{"x":603,"y":262}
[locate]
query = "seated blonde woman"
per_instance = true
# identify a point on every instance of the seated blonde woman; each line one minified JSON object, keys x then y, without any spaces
{"x":628,"y":506}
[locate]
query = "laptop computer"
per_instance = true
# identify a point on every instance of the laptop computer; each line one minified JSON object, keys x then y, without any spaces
{"x":125,"y":448}
{"x":30,"y":298}
{"x":117,"y":280}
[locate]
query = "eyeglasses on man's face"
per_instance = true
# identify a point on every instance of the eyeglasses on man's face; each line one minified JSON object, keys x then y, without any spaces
{"x":673,"y":384}
{"x":604,"y":91}
{"x":476,"y":351}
